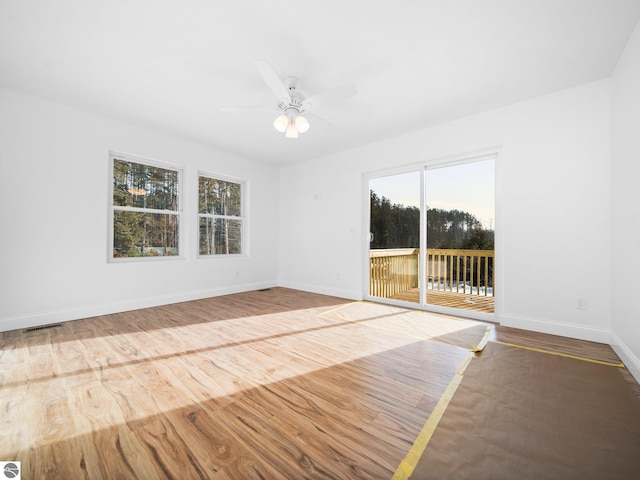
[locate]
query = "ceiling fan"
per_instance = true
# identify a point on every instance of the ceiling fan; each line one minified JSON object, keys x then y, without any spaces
{"x":292,"y":105}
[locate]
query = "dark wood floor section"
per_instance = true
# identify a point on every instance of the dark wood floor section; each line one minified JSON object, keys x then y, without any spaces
{"x":259,"y":385}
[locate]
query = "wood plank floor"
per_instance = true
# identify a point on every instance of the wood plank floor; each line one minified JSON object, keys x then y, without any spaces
{"x":256,"y":385}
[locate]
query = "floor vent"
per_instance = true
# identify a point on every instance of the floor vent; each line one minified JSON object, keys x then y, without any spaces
{"x":42,"y":327}
{"x":264,"y":290}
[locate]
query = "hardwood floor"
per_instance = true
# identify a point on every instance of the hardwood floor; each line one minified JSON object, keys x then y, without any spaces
{"x":264,"y":384}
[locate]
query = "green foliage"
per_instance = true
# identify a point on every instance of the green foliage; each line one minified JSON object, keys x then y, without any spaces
{"x":144,"y":186}
{"x":393,"y":226}
{"x":219,"y":197}
{"x":152,"y":189}
{"x":398,"y":226}
{"x":218,"y":200}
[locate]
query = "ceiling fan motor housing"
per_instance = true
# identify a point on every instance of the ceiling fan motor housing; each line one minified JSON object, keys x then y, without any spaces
{"x":293,"y":105}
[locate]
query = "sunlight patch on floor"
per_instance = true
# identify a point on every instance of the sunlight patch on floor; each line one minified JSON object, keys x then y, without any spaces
{"x":112,"y":380}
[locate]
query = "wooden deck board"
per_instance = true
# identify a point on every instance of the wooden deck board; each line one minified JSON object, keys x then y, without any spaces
{"x":476,"y":303}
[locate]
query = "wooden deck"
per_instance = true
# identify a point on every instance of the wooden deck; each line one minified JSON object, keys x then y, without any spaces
{"x":476,"y":303}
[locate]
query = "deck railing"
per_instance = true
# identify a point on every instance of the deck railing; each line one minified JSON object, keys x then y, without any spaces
{"x":393,"y":271}
{"x":468,"y":272}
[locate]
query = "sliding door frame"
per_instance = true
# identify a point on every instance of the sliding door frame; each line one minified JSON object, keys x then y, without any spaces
{"x":470,"y":157}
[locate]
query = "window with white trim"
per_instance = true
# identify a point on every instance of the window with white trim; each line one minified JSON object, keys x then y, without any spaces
{"x":145,"y":209}
{"x":220,"y":215}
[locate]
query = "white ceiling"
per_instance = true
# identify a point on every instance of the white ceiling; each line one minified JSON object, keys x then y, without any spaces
{"x":171,"y":65}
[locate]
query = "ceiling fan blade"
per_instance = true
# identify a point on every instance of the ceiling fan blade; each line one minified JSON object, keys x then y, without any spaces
{"x":323,"y":120}
{"x":247,"y":108}
{"x":272,"y":80}
{"x":330,"y":96}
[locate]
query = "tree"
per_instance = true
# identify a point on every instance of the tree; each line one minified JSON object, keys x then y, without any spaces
{"x":393,"y":225}
{"x":398,"y":226}
{"x":142,"y":232}
{"x":220,"y":210}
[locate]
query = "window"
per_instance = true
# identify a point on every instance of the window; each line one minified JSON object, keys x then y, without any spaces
{"x":145,"y":209}
{"x":220,"y":215}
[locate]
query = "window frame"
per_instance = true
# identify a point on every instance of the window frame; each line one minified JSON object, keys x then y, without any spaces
{"x":179,"y":213}
{"x":243,"y":218}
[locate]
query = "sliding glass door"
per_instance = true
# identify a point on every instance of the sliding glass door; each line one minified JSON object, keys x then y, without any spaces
{"x":460,"y":235}
{"x":394,"y":234}
{"x":432,"y":236}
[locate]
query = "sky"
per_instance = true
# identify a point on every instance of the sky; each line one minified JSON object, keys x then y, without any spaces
{"x":469,"y":187}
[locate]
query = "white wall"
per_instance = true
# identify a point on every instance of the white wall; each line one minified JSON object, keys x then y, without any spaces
{"x":55,"y":175}
{"x":553,"y":220}
{"x":625,"y":175}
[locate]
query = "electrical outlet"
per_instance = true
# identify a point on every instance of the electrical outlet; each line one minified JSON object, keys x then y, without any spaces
{"x":581,"y":303}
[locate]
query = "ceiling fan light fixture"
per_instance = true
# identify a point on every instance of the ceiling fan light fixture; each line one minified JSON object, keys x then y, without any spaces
{"x":302,"y":124}
{"x":292,"y":131}
{"x":137,"y":191}
{"x":281,"y":123}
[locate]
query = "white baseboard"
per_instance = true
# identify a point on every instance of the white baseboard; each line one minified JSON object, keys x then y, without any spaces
{"x":572,"y":330}
{"x":630,"y":360}
{"x":334,"y":292}
{"x":65,"y":315}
